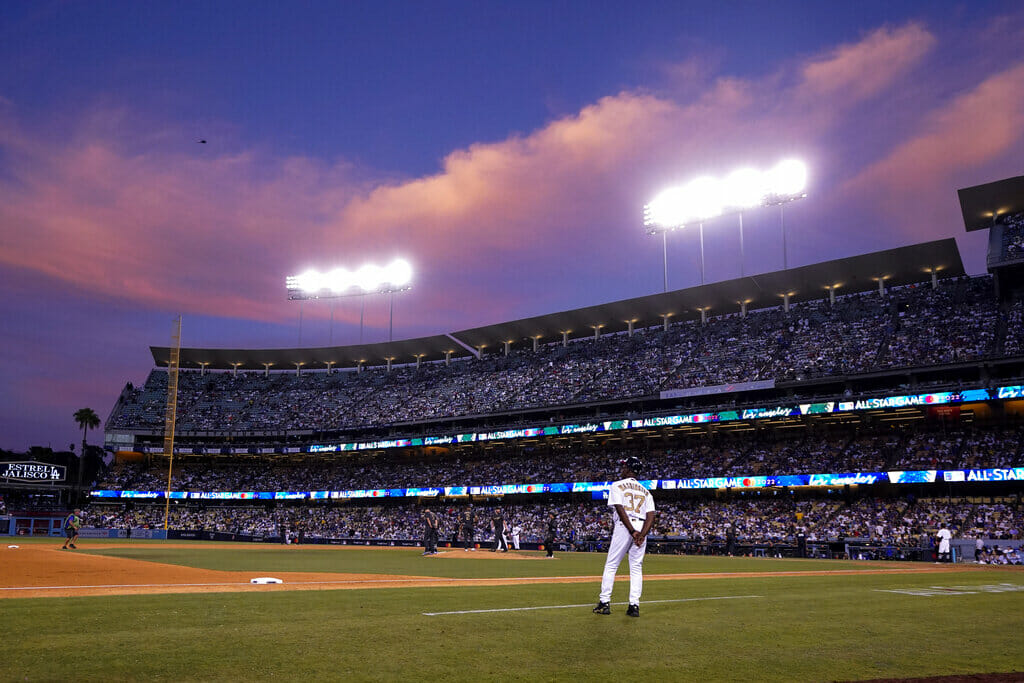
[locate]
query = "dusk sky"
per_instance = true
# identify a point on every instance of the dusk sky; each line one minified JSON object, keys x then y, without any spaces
{"x":505,"y":149}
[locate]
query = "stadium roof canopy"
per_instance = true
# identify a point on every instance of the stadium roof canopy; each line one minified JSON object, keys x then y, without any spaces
{"x":901,"y":266}
{"x":981,"y":204}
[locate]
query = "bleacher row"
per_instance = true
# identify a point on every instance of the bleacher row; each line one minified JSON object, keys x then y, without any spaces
{"x":767,"y":453}
{"x":902,"y":522}
{"x":910,"y":326}
{"x":1013,"y":236}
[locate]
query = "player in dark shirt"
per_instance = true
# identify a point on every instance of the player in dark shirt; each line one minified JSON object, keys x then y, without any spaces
{"x":549,"y":538}
{"x":498,"y":524}
{"x":431,"y":522}
{"x":467,"y":528}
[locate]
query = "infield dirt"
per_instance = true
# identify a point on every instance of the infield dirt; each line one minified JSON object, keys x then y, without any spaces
{"x":40,"y":571}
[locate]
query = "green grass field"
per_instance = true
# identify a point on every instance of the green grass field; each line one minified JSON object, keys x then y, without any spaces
{"x":770,"y":628}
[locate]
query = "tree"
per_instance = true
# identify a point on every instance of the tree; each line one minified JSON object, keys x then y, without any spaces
{"x":87,"y":419}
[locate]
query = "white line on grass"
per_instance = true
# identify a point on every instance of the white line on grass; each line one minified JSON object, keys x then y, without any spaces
{"x":589,"y":604}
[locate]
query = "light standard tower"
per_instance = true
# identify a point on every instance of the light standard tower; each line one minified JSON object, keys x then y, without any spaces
{"x":340,"y":282}
{"x":706,"y":197}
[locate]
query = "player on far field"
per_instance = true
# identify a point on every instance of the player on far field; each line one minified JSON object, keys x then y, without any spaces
{"x":549,"y":537}
{"x":72,"y":523}
{"x":431,"y":522}
{"x":634,"y":507}
{"x":498,"y":525}
{"x":468,"y":522}
{"x":514,"y":533}
{"x":944,"y":536}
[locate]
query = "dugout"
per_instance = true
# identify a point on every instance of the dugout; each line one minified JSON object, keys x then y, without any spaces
{"x":32,"y":524}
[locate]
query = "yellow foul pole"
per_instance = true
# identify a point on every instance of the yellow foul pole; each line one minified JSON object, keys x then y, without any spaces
{"x":171,"y":413}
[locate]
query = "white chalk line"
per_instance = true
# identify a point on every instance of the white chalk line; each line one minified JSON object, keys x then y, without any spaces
{"x":588,"y":604}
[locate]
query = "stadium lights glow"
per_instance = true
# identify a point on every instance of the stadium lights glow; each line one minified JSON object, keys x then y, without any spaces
{"x":707,"y":197}
{"x":368,"y":279}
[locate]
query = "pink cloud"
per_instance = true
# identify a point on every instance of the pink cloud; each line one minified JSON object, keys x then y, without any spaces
{"x":976,"y":137}
{"x":865,"y":68}
{"x":119,"y":211}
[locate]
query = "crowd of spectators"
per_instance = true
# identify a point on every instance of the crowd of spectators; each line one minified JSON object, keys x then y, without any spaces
{"x":909,"y":326}
{"x":755,"y":520}
{"x":1013,"y":236}
{"x":836,"y":451}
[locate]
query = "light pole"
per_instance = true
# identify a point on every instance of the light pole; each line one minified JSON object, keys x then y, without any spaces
{"x":702,"y":252}
{"x":664,"y":254}
{"x":330,"y":333}
{"x":742,"y":257}
{"x":706,"y":197}
{"x":339,"y":282}
{"x":362,"y":312}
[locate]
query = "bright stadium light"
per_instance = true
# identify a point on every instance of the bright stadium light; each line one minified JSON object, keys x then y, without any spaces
{"x":398,"y":273}
{"x":745,"y":188}
{"x":340,"y":282}
{"x":787,"y":179}
{"x":705,"y":198}
{"x":667,"y":209}
{"x":708,"y":197}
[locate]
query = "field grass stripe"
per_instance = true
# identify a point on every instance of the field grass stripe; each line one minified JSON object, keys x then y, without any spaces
{"x":588,"y":604}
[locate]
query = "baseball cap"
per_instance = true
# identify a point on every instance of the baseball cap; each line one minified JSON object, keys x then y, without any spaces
{"x":632,"y":462}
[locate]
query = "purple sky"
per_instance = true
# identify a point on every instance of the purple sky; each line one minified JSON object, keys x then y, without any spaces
{"x":506,"y":151}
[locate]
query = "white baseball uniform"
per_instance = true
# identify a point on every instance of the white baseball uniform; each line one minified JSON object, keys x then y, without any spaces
{"x":944,"y":537}
{"x":516,"y":530}
{"x":636,"y":501}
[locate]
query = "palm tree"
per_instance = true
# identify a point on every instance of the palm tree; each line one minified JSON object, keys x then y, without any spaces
{"x":87,"y":419}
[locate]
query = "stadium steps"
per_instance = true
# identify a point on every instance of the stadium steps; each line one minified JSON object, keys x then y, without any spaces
{"x":999,"y":343}
{"x":883,"y":347}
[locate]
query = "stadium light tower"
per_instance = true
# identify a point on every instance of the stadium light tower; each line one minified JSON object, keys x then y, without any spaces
{"x":707,"y":197}
{"x":340,"y":282}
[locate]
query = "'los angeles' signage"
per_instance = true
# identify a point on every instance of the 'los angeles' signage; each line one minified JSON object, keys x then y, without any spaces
{"x":31,"y":471}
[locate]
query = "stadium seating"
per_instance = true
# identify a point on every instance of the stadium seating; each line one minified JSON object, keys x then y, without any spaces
{"x":911,"y":326}
{"x":757,"y":519}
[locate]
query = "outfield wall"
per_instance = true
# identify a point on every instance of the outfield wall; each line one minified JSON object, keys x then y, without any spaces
{"x":89,"y":532}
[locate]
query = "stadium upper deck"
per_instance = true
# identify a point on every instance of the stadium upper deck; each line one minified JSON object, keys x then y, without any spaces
{"x":920,"y":323}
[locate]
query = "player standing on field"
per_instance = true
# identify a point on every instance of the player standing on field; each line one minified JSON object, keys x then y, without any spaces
{"x":498,"y":524}
{"x":514,"y":533}
{"x":634,"y":515}
{"x":552,"y":532}
{"x":72,"y":523}
{"x":431,"y":522}
{"x":467,"y":528}
{"x":944,"y":536}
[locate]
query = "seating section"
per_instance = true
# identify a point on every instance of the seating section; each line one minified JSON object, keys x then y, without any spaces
{"x":910,"y":326}
{"x":761,"y":520}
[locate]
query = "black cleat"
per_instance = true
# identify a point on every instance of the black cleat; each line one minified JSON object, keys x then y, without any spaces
{"x":602,"y":608}
{"x":72,"y":546}
{"x":633,"y":611}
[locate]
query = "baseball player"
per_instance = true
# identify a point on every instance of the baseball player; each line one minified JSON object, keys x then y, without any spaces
{"x":514,"y":534}
{"x":431,"y":522}
{"x":634,"y":515}
{"x":498,"y":524}
{"x":72,"y":523}
{"x":944,"y":536}
{"x":549,"y":536}
{"x":467,"y":528}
